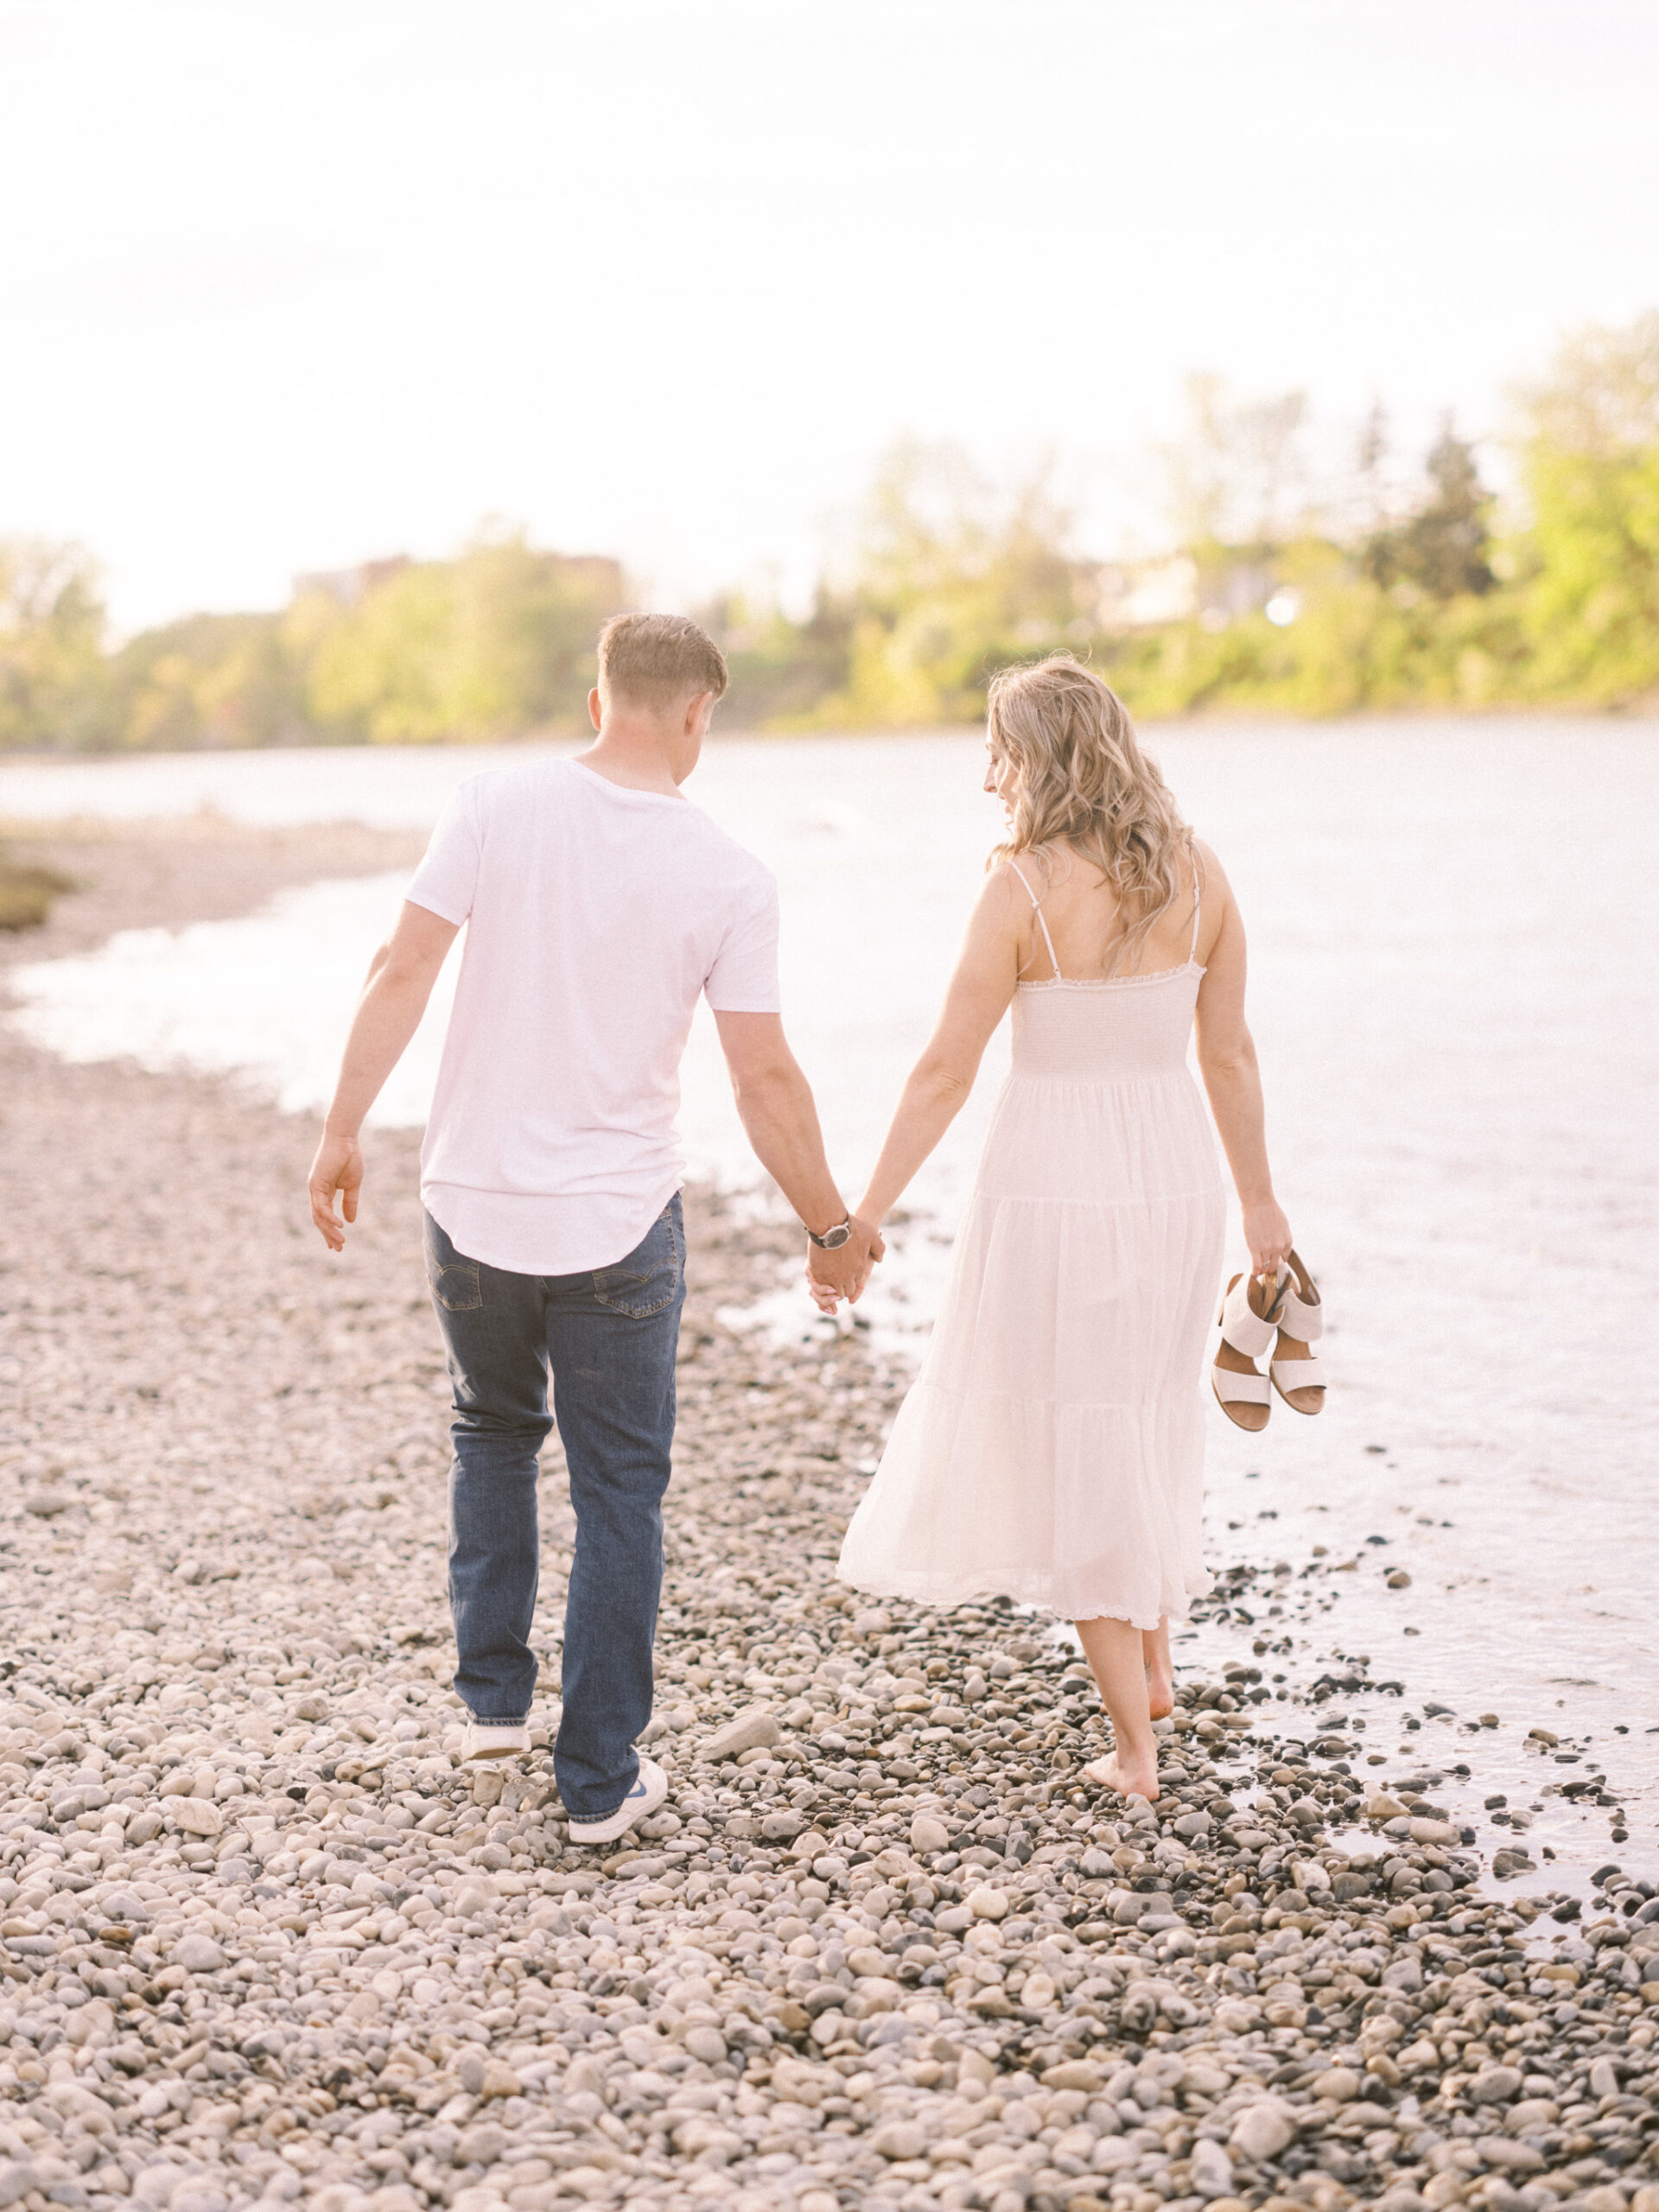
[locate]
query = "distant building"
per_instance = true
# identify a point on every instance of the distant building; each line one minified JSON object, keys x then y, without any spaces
{"x":1144,"y":594}
{"x":1239,"y":584}
{"x":1227,"y":583}
{"x":596,"y":575}
{"x":345,"y":587}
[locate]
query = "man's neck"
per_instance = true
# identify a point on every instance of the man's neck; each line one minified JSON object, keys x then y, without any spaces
{"x":631,"y":757}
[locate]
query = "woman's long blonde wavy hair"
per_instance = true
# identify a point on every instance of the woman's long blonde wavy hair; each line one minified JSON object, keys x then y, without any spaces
{"x":1082,"y":780}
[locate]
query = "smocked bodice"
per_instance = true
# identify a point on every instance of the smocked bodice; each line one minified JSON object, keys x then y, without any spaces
{"x":1127,"y":1029}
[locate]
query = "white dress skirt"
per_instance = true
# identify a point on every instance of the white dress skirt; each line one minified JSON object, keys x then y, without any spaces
{"x":1052,"y":1449}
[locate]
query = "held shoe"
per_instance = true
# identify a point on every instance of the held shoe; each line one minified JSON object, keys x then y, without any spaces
{"x":1297,"y":1376}
{"x":1249,"y":1317}
{"x":488,"y":1740}
{"x":648,"y":1793}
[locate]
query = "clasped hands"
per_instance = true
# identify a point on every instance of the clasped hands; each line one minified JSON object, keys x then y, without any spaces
{"x":831,"y":1276}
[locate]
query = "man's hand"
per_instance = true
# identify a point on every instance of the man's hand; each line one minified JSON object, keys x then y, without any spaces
{"x":338,"y":1167}
{"x":831,"y":1276}
{"x":400,"y":981}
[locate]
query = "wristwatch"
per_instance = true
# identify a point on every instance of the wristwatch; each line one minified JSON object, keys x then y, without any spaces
{"x":833,"y":1239}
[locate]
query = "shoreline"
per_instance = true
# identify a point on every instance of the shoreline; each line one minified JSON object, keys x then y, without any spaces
{"x":879,"y":1934}
{"x":1478,"y":714}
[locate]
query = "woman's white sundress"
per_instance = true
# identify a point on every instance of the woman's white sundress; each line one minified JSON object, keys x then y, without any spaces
{"x":1052,"y":1449}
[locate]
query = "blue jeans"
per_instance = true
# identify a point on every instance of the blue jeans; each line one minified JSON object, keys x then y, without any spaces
{"x":608,"y":1335}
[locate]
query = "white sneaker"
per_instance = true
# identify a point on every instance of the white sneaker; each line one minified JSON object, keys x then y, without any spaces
{"x":650,"y":1791}
{"x":496,"y":1739}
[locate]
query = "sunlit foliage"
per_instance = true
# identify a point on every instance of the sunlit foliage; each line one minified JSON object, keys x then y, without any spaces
{"x":53,"y":671}
{"x":1289,"y":587}
{"x":1591,"y":462}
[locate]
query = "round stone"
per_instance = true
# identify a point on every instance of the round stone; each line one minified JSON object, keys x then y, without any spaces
{"x":987,"y":1904}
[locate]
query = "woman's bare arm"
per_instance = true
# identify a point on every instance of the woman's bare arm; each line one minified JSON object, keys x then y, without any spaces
{"x":1227,"y":1064}
{"x":987,"y":971}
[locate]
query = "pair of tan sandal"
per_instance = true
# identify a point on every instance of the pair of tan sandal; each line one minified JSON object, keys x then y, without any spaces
{"x":1257,"y":1315}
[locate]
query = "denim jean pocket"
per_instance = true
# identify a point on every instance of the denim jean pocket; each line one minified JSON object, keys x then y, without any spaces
{"x":648,"y":1280}
{"x":454,"y":1284}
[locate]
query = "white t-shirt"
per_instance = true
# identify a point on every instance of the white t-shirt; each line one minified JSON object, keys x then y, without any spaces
{"x":595,"y":916}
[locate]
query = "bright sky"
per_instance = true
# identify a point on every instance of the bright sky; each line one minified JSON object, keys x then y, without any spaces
{"x":290,"y":283}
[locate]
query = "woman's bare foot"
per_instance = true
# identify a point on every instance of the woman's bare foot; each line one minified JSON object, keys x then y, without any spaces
{"x":1160,"y":1673}
{"x":1116,"y":1653}
{"x":1129,"y":1778}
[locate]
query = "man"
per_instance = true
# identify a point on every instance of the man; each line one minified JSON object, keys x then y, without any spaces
{"x":598,"y":905}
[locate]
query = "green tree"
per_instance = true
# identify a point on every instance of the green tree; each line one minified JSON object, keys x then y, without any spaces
{"x":950,"y":580}
{"x":494,"y":644}
{"x":1444,"y":549}
{"x":1590,"y":465}
{"x":781,"y":671}
{"x":210,"y":680}
{"x":52,"y":691}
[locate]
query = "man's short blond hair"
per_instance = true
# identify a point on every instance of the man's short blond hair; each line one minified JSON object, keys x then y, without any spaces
{"x":658,"y":660}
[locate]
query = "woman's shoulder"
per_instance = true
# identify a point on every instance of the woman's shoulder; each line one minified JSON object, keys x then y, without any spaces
{"x":1024,"y":871}
{"x":1207,"y":860}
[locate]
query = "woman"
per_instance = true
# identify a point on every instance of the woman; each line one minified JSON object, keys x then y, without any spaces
{"x":1052,"y":1449}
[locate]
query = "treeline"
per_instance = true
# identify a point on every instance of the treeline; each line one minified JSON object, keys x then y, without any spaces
{"x":1295,"y":587}
{"x":497,"y":642}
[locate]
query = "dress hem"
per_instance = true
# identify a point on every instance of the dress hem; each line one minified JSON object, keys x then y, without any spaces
{"x":922,"y":1590}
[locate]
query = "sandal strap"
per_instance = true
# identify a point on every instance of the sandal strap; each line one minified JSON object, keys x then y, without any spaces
{"x":1298,"y":1374}
{"x":1298,"y":1317}
{"x":1233,"y":1389}
{"x":1242,"y":1328}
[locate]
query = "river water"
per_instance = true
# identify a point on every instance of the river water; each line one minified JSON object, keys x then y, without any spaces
{"x":1453,"y":989}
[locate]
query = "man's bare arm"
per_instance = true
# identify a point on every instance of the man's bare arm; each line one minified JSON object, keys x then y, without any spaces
{"x":400,"y":983}
{"x":775,"y":1105}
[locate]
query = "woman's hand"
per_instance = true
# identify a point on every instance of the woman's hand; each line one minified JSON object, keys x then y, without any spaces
{"x":831,"y":1276}
{"x":1267,"y":1232}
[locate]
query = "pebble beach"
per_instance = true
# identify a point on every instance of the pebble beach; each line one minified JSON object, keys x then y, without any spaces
{"x":263,"y":1934}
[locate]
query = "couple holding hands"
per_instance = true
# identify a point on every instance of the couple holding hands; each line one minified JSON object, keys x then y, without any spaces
{"x":1051,"y":1448}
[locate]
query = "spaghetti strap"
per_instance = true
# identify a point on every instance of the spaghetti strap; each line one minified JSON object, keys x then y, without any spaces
{"x":1198,"y":908}
{"x":1036,"y":908}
